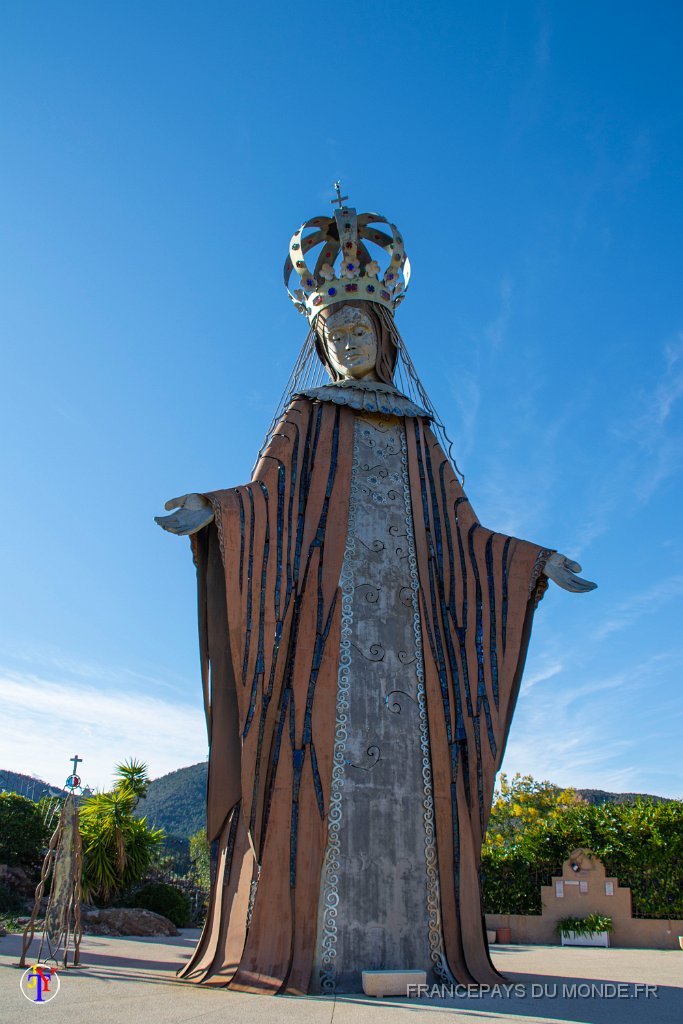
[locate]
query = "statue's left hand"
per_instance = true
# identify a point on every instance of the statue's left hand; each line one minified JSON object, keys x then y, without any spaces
{"x":563,"y":571}
{"x":194,"y":513}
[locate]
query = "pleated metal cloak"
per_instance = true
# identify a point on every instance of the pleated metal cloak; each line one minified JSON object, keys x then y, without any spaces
{"x":268,"y":573}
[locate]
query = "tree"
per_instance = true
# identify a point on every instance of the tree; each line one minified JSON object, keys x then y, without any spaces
{"x":520,"y":802}
{"x":22,"y":831}
{"x":132,"y":776}
{"x":200,"y":871}
{"x":534,"y":826}
{"x":117,"y":846}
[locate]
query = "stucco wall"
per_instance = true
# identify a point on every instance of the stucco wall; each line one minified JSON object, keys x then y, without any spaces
{"x":535,"y":930}
{"x":585,"y":889}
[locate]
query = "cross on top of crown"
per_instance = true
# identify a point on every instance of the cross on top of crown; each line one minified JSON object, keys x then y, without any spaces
{"x":339,"y":198}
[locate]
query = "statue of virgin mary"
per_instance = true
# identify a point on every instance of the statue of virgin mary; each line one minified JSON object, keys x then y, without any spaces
{"x":362,"y":641}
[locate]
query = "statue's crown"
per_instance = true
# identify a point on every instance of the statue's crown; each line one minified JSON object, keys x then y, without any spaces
{"x":345,"y":268}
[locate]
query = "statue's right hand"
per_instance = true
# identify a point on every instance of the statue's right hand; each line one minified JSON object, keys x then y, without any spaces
{"x":194,"y":513}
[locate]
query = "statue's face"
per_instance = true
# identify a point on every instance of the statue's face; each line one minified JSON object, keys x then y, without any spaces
{"x":351,"y":343}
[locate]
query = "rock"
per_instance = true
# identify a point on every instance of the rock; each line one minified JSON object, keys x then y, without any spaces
{"x":17,"y":879}
{"x":126,"y":921}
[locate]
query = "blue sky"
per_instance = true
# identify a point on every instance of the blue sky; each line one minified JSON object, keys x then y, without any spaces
{"x":157,"y":158}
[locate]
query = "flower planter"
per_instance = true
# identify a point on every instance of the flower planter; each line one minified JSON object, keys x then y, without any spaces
{"x":491,"y":935}
{"x":503,"y":935}
{"x":589,"y":939}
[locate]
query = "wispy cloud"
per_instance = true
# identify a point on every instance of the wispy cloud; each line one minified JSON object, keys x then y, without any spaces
{"x":586,"y":734}
{"x":496,"y":330}
{"x":546,"y":670}
{"x":649,"y":453}
{"x":645,"y":603}
{"x":53,"y":663}
{"x":670,"y":387}
{"x":514,"y":492}
{"x":597,"y":514}
{"x":45,"y":722}
{"x":465,"y":384}
{"x":466,"y":393}
{"x":649,"y":430}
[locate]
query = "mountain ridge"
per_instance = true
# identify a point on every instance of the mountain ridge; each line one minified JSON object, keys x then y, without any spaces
{"x":176,"y":801}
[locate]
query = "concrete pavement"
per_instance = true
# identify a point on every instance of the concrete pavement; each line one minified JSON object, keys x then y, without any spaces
{"x":131,"y":981}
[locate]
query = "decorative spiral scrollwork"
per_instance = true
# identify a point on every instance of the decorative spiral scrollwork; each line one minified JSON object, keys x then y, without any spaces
{"x":375,"y":755}
{"x":376,"y":546}
{"x":406,"y":658}
{"x":376,"y":652}
{"x":393,"y":704}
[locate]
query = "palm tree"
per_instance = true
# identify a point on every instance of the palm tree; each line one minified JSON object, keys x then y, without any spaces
{"x":117,"y":846}
{"x":132,"y":777}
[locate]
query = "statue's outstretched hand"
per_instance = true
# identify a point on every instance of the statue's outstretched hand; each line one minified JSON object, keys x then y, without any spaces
{"x":194,"y":512}
{"x":562,"y":570}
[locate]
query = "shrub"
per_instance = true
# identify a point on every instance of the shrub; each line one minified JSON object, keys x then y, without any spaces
{"x":22,"y":832}
{"x":510,"y":885}
{"x":10,"y":902}
{"x":587,"y":925}
{"x":166,"y":900}
{"x":639,"y":843}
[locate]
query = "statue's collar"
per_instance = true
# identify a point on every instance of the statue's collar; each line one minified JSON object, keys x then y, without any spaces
{"x":366,"y":396}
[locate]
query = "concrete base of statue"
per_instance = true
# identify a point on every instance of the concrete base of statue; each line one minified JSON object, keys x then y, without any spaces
{"x":391,"y":983}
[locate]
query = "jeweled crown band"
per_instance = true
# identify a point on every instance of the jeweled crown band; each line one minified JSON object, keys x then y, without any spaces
{"x":345,"y":268}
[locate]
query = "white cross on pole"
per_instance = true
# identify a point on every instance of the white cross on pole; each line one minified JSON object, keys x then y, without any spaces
{"x":340,"y":198}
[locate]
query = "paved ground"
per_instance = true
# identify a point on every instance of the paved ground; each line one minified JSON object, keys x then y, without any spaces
{"x":131,"y":981}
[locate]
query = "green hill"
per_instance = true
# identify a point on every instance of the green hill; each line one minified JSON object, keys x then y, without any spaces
{"x":177,"y":802}
{"x":27,"y":785}
{"x":600,"y":796}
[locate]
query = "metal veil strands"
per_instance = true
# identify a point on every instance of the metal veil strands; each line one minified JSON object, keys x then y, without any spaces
{"x":309,"y":372}
{"x":408,"y":381}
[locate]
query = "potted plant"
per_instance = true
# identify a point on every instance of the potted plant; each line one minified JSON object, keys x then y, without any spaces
{"x":591,"y":930}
